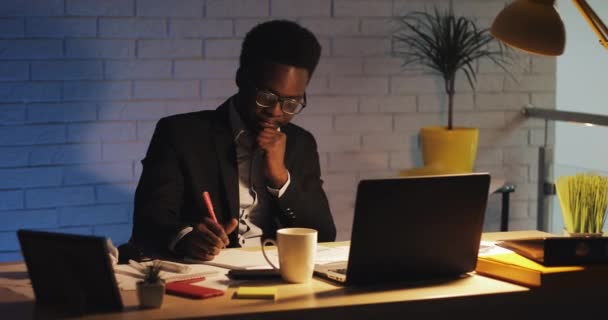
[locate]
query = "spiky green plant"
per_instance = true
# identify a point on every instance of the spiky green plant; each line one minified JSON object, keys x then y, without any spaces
{"x":584,"y":200}
{"x":152,"y":273}
{"x":446,"y":44}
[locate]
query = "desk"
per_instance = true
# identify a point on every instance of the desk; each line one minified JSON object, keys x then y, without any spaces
{"x":474,"y":295}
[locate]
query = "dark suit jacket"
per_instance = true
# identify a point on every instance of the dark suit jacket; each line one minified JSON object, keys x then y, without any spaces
{"x":193,"y":152}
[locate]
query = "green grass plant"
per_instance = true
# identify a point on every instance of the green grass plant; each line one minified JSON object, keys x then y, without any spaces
{"x":583,"y":199}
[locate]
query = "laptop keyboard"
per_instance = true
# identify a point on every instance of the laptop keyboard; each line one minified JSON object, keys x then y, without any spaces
{"x":340,"y":271}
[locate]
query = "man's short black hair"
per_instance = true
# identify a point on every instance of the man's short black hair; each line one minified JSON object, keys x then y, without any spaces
{"x":278,"y":41}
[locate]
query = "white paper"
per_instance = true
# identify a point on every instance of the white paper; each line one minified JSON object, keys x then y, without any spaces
{"x":324,"y":255}
{"x":241,"y":259}
{"x":127,"y":276}
{"x":488,"y":248}
{"x":327,"y":255}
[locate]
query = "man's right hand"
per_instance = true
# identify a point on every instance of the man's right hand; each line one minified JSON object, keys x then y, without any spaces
{"x":206,"y":240}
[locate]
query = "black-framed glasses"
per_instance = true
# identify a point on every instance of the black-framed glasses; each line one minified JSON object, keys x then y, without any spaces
{"x":267,"y":99}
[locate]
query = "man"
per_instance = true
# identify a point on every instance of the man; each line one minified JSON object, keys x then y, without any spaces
{"x":262,"y":173}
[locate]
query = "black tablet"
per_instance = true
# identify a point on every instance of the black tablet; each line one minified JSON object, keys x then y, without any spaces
{"x":70,"y":272}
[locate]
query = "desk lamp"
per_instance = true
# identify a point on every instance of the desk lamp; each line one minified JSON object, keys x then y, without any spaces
{"x":536,"y":27}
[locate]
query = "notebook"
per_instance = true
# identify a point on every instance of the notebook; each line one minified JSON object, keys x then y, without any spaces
{"x":413,"y":228}
{"x":71,"y":272}
{"x":236,"y":259}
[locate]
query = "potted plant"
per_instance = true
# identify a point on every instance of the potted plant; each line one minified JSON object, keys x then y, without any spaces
{"x":583,"y":199}
{"x":151,"y":289}
{"x":446,"y":44}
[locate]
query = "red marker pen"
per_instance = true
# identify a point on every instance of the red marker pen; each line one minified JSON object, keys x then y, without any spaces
{"x":209,"y":205}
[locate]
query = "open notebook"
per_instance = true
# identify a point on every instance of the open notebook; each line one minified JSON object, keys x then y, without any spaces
{"x":240,"y":259}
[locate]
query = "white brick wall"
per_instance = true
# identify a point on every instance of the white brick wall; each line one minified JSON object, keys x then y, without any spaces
{"x":237,"y":8}
{"x":83,"y":82}
{"x":14,"y":71}
{"x":137,"y":69}
{"x":12,"y":27}
{"x":66,"y":70}
{"x":132,"y":28}
{"x":60,"y":27}
{"x":20,"y":49}
{"x":298,"y":8}
{"x":200,"y":28}
{"x":97,"y":7}
{"x":169,"y":48}
{"x":175,"y":8}
{"x":362,"y":8}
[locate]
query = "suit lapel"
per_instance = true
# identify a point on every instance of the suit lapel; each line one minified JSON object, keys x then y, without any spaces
{"x":289,"y":147}
{"x":226,"y":155}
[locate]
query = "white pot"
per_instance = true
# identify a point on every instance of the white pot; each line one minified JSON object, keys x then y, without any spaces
{"x":150,"y":294}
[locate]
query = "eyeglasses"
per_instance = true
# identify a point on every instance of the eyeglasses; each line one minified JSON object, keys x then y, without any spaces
{"x":267,"y":99}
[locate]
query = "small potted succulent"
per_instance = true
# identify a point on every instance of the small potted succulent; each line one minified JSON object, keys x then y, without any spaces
{"x":151,"y":289}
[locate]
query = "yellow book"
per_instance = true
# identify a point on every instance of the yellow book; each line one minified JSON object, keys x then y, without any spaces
{"x":515,"y":268}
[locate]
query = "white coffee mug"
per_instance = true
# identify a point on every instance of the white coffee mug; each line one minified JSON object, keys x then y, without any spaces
{"x":297,"y":248}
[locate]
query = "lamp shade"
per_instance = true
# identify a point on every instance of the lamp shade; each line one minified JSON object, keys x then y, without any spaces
{"x":531,"y":25}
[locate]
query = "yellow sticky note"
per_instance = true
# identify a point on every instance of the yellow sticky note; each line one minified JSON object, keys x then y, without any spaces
{"x":256,"y":292}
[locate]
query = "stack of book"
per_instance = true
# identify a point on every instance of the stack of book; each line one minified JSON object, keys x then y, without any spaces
{"x":507,"y":265}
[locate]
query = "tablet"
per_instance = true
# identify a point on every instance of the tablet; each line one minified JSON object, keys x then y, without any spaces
{"x":70,"y":272}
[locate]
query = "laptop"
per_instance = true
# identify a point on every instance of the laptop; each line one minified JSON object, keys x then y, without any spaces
{"x":70,"y":272}
{"x":413,"y":228}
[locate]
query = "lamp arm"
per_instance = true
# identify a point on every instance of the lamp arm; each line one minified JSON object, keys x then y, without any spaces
{"x":594,"y":21}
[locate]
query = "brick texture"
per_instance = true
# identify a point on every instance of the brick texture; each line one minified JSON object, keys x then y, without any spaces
{"x":176,"y":8}
{"x":99,"y":7}
{"x":83,"y":83}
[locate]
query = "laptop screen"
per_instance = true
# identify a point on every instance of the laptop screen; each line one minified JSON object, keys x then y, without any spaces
{"x":417,"y":228}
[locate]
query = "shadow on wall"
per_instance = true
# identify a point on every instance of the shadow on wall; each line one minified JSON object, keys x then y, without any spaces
{"x":70,"y":159}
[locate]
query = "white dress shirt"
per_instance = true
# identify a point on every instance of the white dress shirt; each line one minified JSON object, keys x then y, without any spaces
{"x":253,"y":202}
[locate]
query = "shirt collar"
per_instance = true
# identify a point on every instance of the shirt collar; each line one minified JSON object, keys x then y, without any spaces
{"x":238,"y":127}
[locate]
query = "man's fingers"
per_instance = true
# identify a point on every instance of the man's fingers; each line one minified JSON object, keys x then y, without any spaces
{"x":231,"y":226}
{"x":202,"y":256}
{"x":269,"y":136}
{"x":201,"y":250}
{"x":267,"y":132}
{"x":210,"y":236}
{"x":213,"y":250}
{"x":212,"y":246}
{"x":217,"y":229}
{"x":206,"y":244}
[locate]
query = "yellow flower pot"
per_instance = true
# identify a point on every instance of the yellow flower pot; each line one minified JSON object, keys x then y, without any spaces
{"x":446,"y":151}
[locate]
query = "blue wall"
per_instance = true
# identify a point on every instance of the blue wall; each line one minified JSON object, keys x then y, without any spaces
{"x":82,"y":84}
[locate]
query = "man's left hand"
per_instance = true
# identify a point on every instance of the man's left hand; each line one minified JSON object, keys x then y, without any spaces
{"x":273,"y":143}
